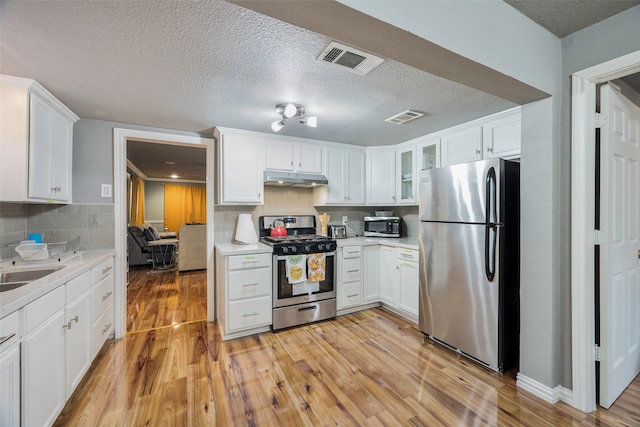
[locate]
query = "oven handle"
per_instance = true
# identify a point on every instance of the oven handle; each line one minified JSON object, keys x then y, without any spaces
{"x":282,"y":257}
{"x":312,"y":307}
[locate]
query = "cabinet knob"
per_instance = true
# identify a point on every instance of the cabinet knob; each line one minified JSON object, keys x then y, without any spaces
{"x":490,"y":149}
{"x":291,"y":162}
{"x":478,"y":151}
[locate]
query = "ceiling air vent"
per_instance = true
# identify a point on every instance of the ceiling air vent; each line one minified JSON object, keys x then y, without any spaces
{"x":349,"y":58}
{"x":404,"y":117}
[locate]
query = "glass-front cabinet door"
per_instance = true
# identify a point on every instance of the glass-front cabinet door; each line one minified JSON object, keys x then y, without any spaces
{"x":428,"y":153}
{"x":406,"y":178}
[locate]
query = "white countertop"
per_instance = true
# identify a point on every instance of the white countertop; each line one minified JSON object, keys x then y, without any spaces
{"x":402,"y":242}
{"x":74,"y":265}
{"x":228,"y":248}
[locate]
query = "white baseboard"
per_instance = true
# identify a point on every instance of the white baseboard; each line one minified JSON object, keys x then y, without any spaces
{"x":551,"y":395}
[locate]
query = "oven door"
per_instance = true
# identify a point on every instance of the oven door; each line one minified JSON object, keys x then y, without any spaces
{"x":285,"y":293}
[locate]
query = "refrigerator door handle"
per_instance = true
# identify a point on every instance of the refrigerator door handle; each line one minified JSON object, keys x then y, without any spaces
{"x":490,"y":237}
{"x":490,"y":233}
{"x":490,"y":197}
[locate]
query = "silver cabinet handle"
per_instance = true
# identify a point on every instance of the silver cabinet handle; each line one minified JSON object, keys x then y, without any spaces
{"x":352,"y":295}
{"x":106,"y":269}
{"x":407,"y":255}
{"x":67,"y":325}
{"x":107,"y":295}
{"x":478,"y":151}
{"x":249,"y":262}
{"x":250,"y":314}
{"x":291,"y":162}
{"x":56,"y":189}
{"x":353,"y":271}
{"x":490,"y":149}
{"x":6,"y":338}
{"x":250,"y":284}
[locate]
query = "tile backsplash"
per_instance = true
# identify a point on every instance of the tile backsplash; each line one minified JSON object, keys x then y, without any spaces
{"x":93,"y":224}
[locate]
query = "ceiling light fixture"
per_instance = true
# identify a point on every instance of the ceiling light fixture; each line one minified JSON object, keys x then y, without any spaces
{"x":288,"y":111}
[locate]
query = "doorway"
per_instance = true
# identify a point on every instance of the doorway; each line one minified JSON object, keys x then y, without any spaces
{"x":120,"y":139}
{"x":166,"y":284}
{"x":583,"y":100}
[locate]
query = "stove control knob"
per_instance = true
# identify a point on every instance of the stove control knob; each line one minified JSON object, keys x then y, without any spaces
{"x":285,"y":249}
{"x":307,"y":248}
{"x":320,"y":246}
{"x":294,"y":249}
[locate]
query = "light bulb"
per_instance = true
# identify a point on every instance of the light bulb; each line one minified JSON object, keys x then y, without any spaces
{"x":311,"y":121}
{"x":277,"y":125}
{"x":290,"y":110}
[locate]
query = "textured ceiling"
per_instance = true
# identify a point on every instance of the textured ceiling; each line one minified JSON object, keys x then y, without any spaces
{"x":193,"y":65}
{"x":564,"y":17}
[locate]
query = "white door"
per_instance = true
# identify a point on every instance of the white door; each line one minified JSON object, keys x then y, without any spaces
{"x":619,"y":282}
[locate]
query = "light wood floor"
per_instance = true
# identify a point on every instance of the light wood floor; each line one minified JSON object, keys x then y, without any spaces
{"x":370,"y":368}
{"x":164,"y":298}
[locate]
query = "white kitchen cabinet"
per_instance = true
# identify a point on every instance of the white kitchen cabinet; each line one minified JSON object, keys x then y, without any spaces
{"x":406,"y":176}
{"x":78,"y":328}
{"x":10,"y":370}
{"x":345,"y":171}
{"x":461,"y":145}
{"x":293,"y":156}
{"x":407,"y":267}
{"x":349,"y":291}
{"x":502,"y":135}
{"x":240,"y":167}
{"x":243,"y":284}
{"x":36,"y":139}
{"x":103,"y":284}
{"x":381,"y":177}
{"x":388,"y":288}
{"x":43,"y":360}
{"x":370,"y":274}
{"x":428,"y":153}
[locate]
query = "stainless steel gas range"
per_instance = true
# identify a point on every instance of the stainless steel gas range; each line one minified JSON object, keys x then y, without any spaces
{"x":304,"y":271}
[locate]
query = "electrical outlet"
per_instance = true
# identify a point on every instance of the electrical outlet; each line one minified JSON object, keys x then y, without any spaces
{"x":105,"y":190}
{"x":345,"y":219}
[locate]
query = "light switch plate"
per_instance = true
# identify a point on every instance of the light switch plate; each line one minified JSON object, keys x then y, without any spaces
{"x":105,"y":190}
{"x":345,"y":219}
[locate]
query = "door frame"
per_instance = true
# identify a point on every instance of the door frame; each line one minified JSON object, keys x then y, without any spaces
{"x":120,"y":137}
{"x":583,"y":107}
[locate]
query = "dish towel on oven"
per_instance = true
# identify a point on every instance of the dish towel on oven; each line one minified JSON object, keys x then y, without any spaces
{"x":296,"y":268}
{"x":317,"y":264}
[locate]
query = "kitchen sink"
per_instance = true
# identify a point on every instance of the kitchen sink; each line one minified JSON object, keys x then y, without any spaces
{"x":9,"y":286}
{"x":25,"y":275}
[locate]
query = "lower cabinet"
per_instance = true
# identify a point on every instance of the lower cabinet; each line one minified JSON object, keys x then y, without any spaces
{"x":383,"y":274}
{"x":43,"y":360}
{"x":243,"y":286}
{"x":10,"y":371}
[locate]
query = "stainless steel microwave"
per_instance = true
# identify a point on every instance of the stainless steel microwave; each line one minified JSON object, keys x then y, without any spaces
{"x":382,"y":226}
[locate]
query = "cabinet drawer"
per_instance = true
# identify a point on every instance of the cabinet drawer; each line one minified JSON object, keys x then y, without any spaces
{"x":249,"y":283}
{"x":237,"y":262}
{"x":101,"y":330}
{"x":79,"y":285}
{"x":351,"y":270}
{"x":102,"y":296}
{"x":9,"y":330}
{"x":246,"y":314}
{"x":351,"y":252}
{"x":102,"y":270}
{"x":408,"y":254}
{"x":41,"y":309}
{"x":351,"y":294}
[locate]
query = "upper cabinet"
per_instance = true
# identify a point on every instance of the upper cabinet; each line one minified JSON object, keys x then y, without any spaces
{"x":501,"y":136}
{"x":345,"y":171}
{"x":428,"y":153}
{"x":36,"y":138}
{"x":381,"y":177}
{"x":462,"y":145}
{"x":293,"y":156}
{"x":240,"y":167}
{"x":406,"y":175}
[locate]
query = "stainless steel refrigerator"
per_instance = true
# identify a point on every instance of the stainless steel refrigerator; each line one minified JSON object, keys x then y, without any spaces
{"x":470,"y":259}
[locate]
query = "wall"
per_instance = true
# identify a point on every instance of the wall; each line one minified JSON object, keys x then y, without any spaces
{"x":93,"y":156}
{"x":92,"y":224}
{"x":154,"y":201}
{"x":299,"y":201}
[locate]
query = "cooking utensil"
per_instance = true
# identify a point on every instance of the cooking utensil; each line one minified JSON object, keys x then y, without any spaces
{"x":278,"y":230}
{"x":324,"y":220}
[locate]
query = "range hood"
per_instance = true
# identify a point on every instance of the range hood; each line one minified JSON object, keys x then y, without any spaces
{"x":293,"y":179}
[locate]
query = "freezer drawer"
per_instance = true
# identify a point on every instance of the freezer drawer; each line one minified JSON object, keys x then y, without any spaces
{"x":459,"y":305}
